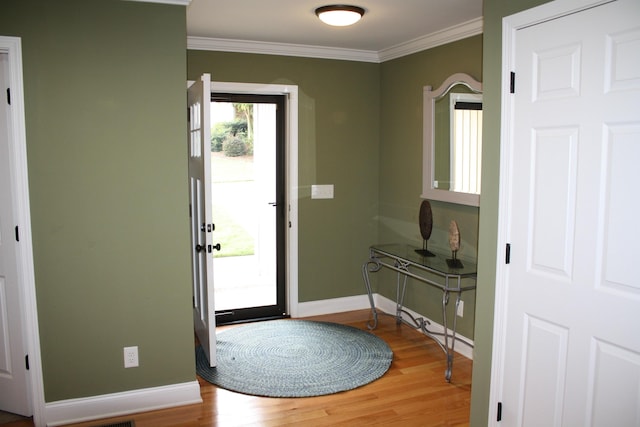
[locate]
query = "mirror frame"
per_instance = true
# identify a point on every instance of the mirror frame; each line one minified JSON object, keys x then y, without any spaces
{"x":429,"y":98}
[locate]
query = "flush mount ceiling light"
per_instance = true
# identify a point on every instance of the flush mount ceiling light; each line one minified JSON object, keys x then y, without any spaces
{"x":339,"y":15}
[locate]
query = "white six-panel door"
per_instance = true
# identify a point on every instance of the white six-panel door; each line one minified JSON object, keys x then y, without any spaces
{"x":567,"y":345}
{"x":14,"y":392}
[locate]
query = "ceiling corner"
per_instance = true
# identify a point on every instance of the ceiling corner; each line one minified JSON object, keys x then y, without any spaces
{"x":448,"y":35}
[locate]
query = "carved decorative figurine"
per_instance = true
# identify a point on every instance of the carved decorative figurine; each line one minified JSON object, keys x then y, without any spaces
{"x":425,"y":220}
{"x":454,"y":244}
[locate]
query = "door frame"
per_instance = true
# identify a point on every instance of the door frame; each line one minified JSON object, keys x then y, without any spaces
{"x":291,"y":174}
{"x":12,"y":46}
{"x":510,"y":26}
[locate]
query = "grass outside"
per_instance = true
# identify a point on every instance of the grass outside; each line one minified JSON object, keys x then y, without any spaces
{"x":231,"y":169}
{"x":234,"y":239}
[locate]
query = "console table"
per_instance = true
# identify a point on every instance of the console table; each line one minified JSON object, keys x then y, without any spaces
{"x":433,"y":271}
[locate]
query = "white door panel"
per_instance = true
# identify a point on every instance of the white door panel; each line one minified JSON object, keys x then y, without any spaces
{"x":14,"y":391}
{"x":572,"y":299}
{"x":199,"y":140}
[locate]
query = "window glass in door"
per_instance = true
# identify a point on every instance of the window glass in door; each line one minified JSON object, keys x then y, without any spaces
{"x":248,"y":206}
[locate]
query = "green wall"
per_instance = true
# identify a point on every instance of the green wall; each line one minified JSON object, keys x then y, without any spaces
{"x":494,"y":11}
{"x":105,"y":104}
{"x":338,"y":143}
{"x":402,"y":82}
{"x":361,"y":130}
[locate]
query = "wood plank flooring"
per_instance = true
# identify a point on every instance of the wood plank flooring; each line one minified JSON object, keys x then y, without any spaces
{"x":412,"y":393}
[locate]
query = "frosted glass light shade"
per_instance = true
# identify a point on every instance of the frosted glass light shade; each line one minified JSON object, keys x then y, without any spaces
{"x":339,"y":15}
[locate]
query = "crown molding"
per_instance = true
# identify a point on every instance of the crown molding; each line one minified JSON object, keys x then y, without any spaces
{"x":175,"y":2}
{"x":439,"y":38}
{"x":458,"y":32}
{"x":286,"y":49}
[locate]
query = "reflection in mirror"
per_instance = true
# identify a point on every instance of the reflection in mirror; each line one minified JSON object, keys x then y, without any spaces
{"x":458,"y":141}
{"x":453,"y":141}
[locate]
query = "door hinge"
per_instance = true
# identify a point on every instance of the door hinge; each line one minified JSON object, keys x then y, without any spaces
{"x":26,"y":361}
{"x":512,"y":84}
{"x":8,"y":96}
{"x":17,"y":234}
{"x":499,"y":414}
{"x":507,"y":254}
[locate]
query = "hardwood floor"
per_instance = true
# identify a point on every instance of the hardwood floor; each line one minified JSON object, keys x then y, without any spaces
{"x":412,"y":393}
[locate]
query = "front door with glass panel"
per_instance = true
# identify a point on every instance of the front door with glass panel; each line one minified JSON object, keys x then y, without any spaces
{"x":200,"y":215}
{"x":247,"y":157}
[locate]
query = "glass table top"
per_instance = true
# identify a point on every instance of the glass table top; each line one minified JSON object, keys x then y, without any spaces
{"x":437,"y":262}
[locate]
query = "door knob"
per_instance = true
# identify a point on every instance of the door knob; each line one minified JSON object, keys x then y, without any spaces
{"x":209,"y":248}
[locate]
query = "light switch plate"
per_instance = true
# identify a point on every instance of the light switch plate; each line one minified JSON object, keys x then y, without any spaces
{"x":322,"y":191}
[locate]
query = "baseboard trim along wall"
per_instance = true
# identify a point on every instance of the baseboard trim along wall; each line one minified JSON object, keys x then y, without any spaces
{"x":463,"y":346}
{"x":334,"y":305}
{"x":118,"y":404}
{"x":149,"y":399}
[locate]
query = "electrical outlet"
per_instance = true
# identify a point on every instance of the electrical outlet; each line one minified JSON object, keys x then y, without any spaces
{"x":460,"y":312}
{"x":131,"y":357}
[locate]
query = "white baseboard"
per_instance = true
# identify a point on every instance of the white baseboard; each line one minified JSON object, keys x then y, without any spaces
{"x":334,"y":305}
{"x":360,"y":302}
{"x":118,"y":404}
{"x":389,"y":306}
{"x":149,"y":399}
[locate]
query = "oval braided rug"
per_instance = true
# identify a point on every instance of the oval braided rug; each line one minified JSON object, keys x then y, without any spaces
{"x":295,"y":358}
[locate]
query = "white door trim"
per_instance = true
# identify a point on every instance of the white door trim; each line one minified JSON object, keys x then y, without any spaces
{"x":510,"y":26}
{"x":291,"y":178}
{"x":26,"y":278}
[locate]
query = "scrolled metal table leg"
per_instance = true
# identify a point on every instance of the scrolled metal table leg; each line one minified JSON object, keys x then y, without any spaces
{"x":451,"y":351}
{"x":365,"y":275}
{"x":449,"y":370}
{"x":445,"y":334}
{"x":400,"y":296}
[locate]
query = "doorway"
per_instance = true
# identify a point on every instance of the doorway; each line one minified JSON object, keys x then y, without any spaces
{"x":248,"y":194}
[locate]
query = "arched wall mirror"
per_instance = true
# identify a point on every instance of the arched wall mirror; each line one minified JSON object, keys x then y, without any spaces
{"x":452,"y":141}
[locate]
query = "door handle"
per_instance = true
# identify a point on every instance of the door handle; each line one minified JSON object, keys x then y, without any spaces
{"x":273,"y":203}
{"x":209,"y":248}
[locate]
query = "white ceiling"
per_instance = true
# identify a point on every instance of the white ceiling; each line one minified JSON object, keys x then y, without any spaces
{"x":388,"y":26}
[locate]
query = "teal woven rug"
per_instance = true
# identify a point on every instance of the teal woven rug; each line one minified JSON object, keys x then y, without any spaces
{"x":295,"y":358}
